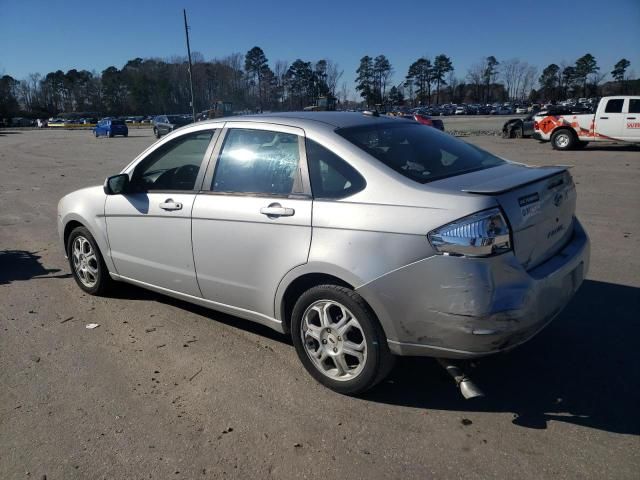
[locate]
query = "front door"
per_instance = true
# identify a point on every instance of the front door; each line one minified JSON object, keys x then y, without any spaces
{"x":149,"y":228}
{"x":609,"y":122}
{"x":253,"y":225}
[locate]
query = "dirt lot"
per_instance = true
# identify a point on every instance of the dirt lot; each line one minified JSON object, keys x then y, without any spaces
{"x":164,"y":390}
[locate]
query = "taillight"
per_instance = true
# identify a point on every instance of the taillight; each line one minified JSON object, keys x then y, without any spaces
{"x":535,"y":126}
{"x":423,"y":120}
{"x":482,"y":234}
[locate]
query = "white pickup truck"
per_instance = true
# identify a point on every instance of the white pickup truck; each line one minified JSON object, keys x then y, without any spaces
{"x":617,"y":119}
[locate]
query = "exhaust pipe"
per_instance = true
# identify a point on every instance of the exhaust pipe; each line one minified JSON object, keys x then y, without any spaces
{"x":467,"y":387}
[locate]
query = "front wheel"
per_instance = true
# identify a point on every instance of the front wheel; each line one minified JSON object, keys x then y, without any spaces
{"x":339,"y":340}
{"x":563,"y":140}
{"x":156,"y":132}
{"x":86,"y":262}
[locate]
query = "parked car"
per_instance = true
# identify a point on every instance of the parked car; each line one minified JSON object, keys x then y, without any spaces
{"x":460,"y":110}
{"x":419,"y":243}
{"x":616,"y":119}
{"x":521,"y":109}
{"x":163,"y":124}
{"x":108,"y":127}
{"x":424,"y":120}
{"x":518,"y":127}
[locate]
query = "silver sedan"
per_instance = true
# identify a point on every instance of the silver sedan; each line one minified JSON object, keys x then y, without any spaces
{"x":362,"y":237}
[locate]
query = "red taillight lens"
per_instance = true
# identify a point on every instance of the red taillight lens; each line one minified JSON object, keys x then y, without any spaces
{"x":423,"y":120}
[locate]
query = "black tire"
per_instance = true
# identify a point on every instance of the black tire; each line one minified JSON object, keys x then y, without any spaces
{"x":563,"y":139}
{"x":518,"y":133}
{"x":581,"y":144}
{"x":156,"y":132}
{"x":126,"y":135}
{"x":103,"y":281}
{"x":95,"y":132}
{"x":378,"y":361}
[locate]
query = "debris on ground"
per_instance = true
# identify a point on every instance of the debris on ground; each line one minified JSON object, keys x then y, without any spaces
{"x":466,"y":422}
{"x":195,"y":374}
{"x":66,"y":319}
{"x":91,"y":326}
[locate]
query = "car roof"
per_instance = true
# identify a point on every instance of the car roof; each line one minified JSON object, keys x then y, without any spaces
{"x":310,"y":119}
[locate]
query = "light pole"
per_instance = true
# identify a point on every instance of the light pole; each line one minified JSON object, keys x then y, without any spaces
{"x":186,"y":31}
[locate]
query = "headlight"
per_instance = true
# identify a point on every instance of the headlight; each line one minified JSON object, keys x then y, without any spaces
{"x":479,"y":235}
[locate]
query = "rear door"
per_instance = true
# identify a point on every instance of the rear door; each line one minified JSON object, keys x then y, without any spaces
{"x":252,"y":221}
{"x":631,"y":129}
{"x":610,"y":119}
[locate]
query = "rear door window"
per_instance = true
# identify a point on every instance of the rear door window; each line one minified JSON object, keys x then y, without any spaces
{"x":258,"y":162}
{"x":634,"y":105}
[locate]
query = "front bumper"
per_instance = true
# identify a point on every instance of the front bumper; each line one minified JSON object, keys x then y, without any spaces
{"x":457,"y":307}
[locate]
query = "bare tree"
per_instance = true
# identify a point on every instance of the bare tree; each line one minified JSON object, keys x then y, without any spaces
{"x":334,"y":74}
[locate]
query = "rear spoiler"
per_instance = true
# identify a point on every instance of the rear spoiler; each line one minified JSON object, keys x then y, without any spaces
{"x":522,"y":177}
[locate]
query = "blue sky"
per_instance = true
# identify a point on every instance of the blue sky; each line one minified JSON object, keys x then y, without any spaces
{"x":46,"y":35}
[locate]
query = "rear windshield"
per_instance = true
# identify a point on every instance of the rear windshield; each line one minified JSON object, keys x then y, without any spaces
{"x":419,"y":152}
{"x":117,"y":122}
{"x":177,"y":119}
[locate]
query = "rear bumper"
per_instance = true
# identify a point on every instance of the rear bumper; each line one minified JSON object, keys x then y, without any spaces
{"x":456,"y":307}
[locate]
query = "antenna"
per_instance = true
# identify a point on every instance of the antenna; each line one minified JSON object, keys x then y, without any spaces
{"x":186,"y":31}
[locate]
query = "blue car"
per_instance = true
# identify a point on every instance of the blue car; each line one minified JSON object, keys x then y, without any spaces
{"x":108,"y":127}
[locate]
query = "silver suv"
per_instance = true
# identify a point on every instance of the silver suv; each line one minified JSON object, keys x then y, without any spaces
{"x":363,"y":237}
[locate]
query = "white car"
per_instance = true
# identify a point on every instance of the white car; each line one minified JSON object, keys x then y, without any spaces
{"x":521,"y":110}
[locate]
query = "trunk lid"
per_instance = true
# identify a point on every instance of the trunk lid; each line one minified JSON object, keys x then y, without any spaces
{"x":539,"y":204}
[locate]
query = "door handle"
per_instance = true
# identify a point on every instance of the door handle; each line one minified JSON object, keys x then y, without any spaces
{"x":604,"y":118}
{"x":631,"y":118}
{"x":276,"y":210}
{"x":169,"y":204}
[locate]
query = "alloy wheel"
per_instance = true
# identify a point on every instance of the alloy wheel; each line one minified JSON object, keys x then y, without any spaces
{"x":334,"y":340}
{"x":85,"y":262}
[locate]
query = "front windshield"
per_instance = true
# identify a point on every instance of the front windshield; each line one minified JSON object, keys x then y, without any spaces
{"x":418,"y":152}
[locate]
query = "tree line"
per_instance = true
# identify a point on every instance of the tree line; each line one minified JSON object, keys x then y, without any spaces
{"x":249,"y":82}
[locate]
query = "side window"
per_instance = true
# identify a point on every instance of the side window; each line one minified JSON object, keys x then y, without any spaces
{"x":331,"y":176}
{"x":634,"y":105}
{"x":614,"y":106}
{"x":174,"y":166}
{"x":258,"y":162}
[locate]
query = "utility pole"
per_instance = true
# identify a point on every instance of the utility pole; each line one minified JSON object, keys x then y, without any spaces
{"x":186,"y":31}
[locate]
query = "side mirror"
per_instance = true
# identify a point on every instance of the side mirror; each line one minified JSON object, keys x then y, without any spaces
{"x":117,"y":184}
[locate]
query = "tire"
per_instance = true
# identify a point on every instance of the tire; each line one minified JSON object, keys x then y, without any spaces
{"x":110,"y":134}
{"x":563,"y":139}
{"x":156,"y":133}
{"x":581,"y":144}
{"x":518,"y":133}
{"x":91,"y":275}
{"x":349,"y":325}
{"x":95,"y":133}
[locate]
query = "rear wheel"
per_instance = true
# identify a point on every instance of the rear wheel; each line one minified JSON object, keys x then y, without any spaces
{"x":86,"y":262}
{"x":518,"y":132}
{"x":156,"y":133}
{"x":563,"y":139}
{"x":339,"y":340}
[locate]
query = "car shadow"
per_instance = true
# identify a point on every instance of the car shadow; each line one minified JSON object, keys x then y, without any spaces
{"x":132,"y":292}
{"x":611,"y":148}
{"x":9,"y":132}
{"x":17,"y":265}
{"x":583,"y":369}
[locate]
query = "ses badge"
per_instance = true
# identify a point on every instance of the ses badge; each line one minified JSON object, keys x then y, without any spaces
{"x":529,"y":205}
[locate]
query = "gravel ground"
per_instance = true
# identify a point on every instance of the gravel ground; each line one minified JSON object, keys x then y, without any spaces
{"x":163,"y":389}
